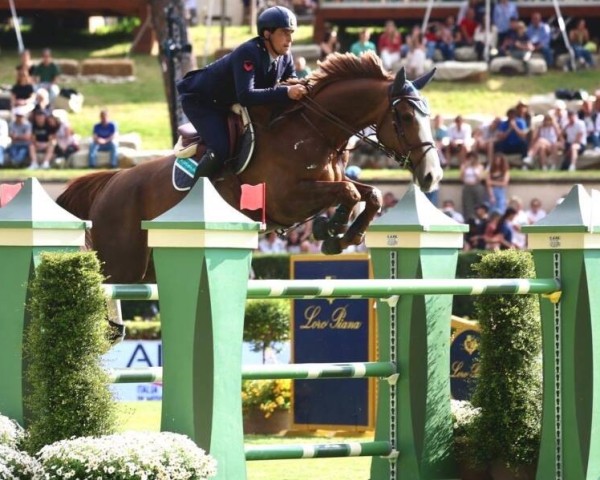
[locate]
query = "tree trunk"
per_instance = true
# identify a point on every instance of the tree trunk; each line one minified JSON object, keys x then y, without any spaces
{"x":175,"y":53}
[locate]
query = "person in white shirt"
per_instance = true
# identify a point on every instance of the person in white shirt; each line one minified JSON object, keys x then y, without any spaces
{"x":575,"y":140}
{"x":460,"y":135}
{"x":4,"y":139}
{"x":535,"y":212}
{"x":271,"y":243}
{"x":519,"y":239}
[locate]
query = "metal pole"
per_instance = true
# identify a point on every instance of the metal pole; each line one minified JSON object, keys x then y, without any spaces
{"x":17,"y":25}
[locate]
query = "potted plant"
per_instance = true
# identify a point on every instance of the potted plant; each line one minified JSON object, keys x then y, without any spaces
{"x":509,"y":390}
{"x":266,"y":405}
{"x":266,"y":323}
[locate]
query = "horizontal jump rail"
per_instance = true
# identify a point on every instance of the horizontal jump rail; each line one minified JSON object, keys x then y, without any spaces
{"x":363,"y":288}
{"x":269,"y":372}
{"x":324,"y":450}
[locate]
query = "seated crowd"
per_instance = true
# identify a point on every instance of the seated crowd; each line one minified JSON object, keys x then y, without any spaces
{"x":508,"y":36}
{"x":38,"y":134}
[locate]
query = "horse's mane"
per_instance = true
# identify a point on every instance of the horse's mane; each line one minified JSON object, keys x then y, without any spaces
{"x":81,"y":192}
{"x":345,"y":66}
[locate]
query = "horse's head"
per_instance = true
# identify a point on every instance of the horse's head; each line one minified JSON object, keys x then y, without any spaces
{"x":406,"y":129}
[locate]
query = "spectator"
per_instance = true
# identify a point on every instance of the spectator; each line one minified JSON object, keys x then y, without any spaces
{"x":535,"y":212}
{"x":519,"y":239}
{"x":330,"y":43}
{"x":559,"y":113}
{"x":484,"y":136}
{"x":483,"y":38}
{"x":497,"y":182}
{"x":104,"y":140}
{"x":20,"y":135}
{"x":293,"y":242}
{"x":467,"y":27}
{"x":540,"y":36}
{"x":590,"y":118}
{"x":441,"y":139}
{"x":512,"y":135}
{"x":4,"y":140}
{"x":522,"y":48}
{"x":389,"y":45}
{"x":271,"y":243}
{"x":523,"y":112}
{"x":504,"y":11}
{"x":579,"y":38}
{"x":499,"y":234}
{"x":43,"y":141}
{"x":23,"y":91}
{"x":478,"y":7}
{"x":472,"y":175}
{"x":448,"y":35}
{"x":363,"y":44}
{"x":26,"y":62}
{"x":546,"y":143}
{"x":302,"y":69}
{"x":42,"y":102}
{"x":191,"y":12}
{"x":66,"y":142}
{"x":575,"y":140}
{"x":414,"y":35}
{"x":449,"y":209}
{"x":415,"y":58}
{"x":460,"y":138}
{"x":509,"y":38}
{"x":46,"y":74}
{"x":389,"y":201}
{"x":474,"y":238}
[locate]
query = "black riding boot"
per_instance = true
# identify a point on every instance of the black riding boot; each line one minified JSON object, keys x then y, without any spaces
{"x":208,"y":165}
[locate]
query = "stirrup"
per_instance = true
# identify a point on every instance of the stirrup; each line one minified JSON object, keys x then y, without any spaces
{"x":208,"y":165}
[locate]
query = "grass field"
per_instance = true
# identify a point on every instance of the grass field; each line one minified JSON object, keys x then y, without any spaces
{"x":145,"y":416}
{"x":140,"y":106}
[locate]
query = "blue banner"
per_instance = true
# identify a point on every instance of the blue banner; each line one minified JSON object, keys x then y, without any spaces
{"x":332,"y":331}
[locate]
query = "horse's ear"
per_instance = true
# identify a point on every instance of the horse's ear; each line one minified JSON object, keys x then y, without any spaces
{"x":399,"y":82}
{"x":424,"y":80}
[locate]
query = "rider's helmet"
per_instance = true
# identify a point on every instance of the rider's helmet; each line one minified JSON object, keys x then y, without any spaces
{"x":276,"y":17}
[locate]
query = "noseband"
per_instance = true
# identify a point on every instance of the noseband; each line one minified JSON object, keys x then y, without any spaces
{"x":405,"y":159}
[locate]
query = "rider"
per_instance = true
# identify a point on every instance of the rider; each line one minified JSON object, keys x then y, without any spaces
{"x":249,"y":75}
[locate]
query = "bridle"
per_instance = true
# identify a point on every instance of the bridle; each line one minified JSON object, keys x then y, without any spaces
{"x":404,"y":160}
{"x":415,"y":102}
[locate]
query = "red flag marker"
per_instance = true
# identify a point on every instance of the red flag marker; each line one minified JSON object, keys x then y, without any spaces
{"x":253,"y":198}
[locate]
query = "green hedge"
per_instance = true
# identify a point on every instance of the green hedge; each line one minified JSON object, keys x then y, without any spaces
{"x":509,"y":389}
{"x":68,"y":388}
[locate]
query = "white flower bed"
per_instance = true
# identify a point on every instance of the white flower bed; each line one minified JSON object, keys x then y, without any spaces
{"x":128,"y":456}
{"x":463,"y":414}
{"x":11,"y":433}
{"x":15,"y":465}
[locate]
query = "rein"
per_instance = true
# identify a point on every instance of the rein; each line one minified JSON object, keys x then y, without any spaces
{"x":403,"y":160}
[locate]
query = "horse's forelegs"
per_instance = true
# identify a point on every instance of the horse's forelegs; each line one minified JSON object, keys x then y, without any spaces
{"x":373,"y":201}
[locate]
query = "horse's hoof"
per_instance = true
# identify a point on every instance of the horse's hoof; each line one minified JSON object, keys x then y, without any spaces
{"x":331,"y":246}
{"x":320,"y":228}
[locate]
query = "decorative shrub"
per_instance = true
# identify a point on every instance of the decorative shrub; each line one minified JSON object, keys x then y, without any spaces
{"x":11,"y":433}
{"x":128,"y":456}
{"x":267,"y":395}
{"x":463,"y":416}
{"x":16,"y":465}
{"x":69,"y":393}
{"x":509,"y":389}
{"x":266,"y":323}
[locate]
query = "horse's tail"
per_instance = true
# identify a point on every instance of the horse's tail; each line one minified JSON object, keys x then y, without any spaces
{"x":80,"y":194}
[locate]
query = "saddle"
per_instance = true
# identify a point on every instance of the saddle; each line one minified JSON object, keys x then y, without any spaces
{"x":241,"y":140}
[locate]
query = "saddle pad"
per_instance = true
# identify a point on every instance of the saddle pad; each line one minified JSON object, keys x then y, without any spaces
{"x":183,"y":173}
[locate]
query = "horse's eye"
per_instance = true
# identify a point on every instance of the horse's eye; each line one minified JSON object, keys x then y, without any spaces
{"x":407,"y":117}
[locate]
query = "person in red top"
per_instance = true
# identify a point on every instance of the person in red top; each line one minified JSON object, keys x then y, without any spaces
{"x":467,"y":27}
{"x":389,"y":44}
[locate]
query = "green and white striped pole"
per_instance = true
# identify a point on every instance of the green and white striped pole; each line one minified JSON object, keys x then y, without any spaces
{"x":566,"y":244}
{"x":30,"y":224}
{"x":415,"y":241}
{"x":202,"y":252}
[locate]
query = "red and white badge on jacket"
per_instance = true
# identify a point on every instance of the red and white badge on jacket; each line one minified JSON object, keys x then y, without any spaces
{"x":248,"y":65}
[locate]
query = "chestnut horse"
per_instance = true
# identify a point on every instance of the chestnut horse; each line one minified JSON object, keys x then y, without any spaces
{"x":300,"y":155}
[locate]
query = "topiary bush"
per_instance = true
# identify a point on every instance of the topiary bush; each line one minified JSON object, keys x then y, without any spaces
{"x":68,"y":394}
{"x":509,"y":388}
{"x":266,"y":323}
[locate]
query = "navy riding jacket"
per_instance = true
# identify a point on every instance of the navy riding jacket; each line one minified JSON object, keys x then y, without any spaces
{"x":242,"y":76}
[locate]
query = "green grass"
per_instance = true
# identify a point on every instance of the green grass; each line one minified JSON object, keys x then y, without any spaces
{"x":145,"y":416}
